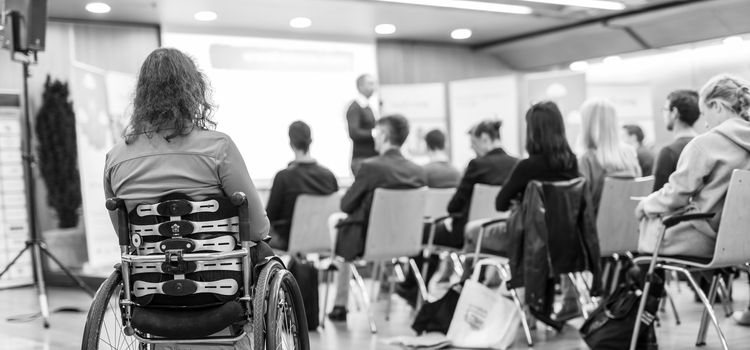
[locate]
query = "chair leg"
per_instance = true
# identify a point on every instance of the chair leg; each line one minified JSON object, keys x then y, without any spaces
{"x":581,"y":298}
{"x":724,"y":296}
{"x":639,"y":314}
{"x":516,"y":300}
{"x":615,"y":278}
{"x":704,"y":317}
{"x":605,"y":274}
{"x":365,"y":298}
{"x":424,"y":295}
{"x":674,"y":308}
{"x":329,"y":282}
{"x":706,"y":304}
{"x":458,"y":265}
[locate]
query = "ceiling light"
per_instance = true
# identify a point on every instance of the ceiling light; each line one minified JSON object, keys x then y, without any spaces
{"x":732,"y":40}
{"x":468,"y":5}
{"x":579,"y":66}
{"x":385,"y":29}
{"x":612,"y":59}
{"x":205,"y":16}
{"x":98,"y":7}
{"x":594,"y":4}
{"x":300,"y":22}
{"x":461,"y":34}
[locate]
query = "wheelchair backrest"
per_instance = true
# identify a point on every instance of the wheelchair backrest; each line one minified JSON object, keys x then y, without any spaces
{"x":175,"y":228}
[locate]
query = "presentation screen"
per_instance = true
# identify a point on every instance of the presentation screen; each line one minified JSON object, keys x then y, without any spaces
{"x":261,"y":85}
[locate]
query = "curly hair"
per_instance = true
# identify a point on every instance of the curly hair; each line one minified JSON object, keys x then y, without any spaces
{"x":171,"y":94}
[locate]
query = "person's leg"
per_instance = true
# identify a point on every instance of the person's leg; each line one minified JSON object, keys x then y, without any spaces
{"x":341,"y":299}
{"x":743,"y":317}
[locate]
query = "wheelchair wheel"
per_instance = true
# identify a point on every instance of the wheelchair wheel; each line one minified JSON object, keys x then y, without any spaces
{"x":285,"y":319}
{"x":103,"y":330}
{"x":260,"y":298}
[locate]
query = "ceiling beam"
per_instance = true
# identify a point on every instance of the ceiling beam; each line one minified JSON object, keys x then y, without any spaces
{"x":589,"y":21}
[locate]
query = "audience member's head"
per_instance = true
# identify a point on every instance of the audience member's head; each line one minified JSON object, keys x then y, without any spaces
{"x":171,"y":94}
{"x":435,"y":140}
{"x":601,"y":135}
{"x":390,"y":132}
{"x":366,"y":85}
{"x":681,"y":106}
{"x":634,"y":134}
{"x":545,"y":135}
{"x":485,"y":136}
{"x":300,"y":136}
{"x":724,"y":97}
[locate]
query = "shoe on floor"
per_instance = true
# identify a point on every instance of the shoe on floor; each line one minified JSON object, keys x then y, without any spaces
{"x":568,"y":312}
{"x":742,"y":317}
{"x":338,"y":314}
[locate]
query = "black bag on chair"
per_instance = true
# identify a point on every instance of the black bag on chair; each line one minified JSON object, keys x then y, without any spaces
{"x":611,"y":325}
{"x":307,"y":278}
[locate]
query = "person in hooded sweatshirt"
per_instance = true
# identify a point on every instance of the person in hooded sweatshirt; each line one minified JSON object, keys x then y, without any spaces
{"x":704,"y":169}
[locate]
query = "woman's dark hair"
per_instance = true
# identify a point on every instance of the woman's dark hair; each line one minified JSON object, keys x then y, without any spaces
{"x":300,"y":136}
{"x":489,"y":127}
{"x":171,"y":94}
{"x":545,"y":135}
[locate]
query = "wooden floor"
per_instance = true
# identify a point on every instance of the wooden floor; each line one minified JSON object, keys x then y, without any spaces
{"x":66,"y":327}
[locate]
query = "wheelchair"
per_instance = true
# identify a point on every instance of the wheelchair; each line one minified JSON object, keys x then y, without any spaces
{"x":189,"y":279}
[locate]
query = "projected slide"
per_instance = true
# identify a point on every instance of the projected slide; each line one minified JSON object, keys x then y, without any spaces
{"x":262,"y":85}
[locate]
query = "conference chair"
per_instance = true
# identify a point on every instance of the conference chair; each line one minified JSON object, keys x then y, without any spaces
{"x":732,"y":249}
{"x":435,"y":210}
{"x":185,"y":260}
{"x":309,"y":233}
{"x":394,"y":232}
{"x":551,"y":190}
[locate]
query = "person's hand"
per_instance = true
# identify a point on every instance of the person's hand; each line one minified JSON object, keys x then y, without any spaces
{"x":640,"y":213}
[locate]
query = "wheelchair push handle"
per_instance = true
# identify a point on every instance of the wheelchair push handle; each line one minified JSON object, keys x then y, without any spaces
{"x":123,"y":233}
{"x":239,"y":199}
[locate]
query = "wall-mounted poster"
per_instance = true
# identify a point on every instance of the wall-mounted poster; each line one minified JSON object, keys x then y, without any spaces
{"x":423,"y":105}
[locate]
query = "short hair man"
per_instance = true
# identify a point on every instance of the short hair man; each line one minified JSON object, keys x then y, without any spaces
{"x":645,"y":157}
{"x":387,"y":170}
{"x":440,"y":173}
{"x":680,"y":113}
{"x":361,"y":120}
{"x":302,"y":176}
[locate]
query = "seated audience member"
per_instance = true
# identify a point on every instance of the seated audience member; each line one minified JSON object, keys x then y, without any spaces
{"x":704,"y":169}
{"x":387,"y":170}
{"x":439,"y":171}
{"x":492,"y":166}
{"x":645,"y":155}
{"x":680,"y":113}
{"x":303,"y":176}
{"x":550,"y":159}
{"x":169,"y":146}
{"x":605,"y":155}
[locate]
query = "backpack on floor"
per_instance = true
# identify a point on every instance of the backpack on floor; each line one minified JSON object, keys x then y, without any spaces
{"x":307,"y":278}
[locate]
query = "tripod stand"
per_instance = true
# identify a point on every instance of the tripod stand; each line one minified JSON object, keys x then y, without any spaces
{"x":35,"y":244}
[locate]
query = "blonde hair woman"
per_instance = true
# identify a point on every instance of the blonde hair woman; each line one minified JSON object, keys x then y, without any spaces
{"x":605,"y":155}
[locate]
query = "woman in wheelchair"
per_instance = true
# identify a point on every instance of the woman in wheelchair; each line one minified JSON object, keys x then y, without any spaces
{"x":195,"y":269}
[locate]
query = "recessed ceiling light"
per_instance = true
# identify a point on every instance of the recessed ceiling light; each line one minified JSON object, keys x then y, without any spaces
{"x":98,"y":7}
{"x":579,"y":66}
{"x":612,"y":59}
{"x":300,"y":22}
{"x":594,"y":4}
{"x":468,"y":5}
{"x":461,"y":34}
{"x":732,"y":40}
{"x":385,"y":29}
{"x":205,"y":16}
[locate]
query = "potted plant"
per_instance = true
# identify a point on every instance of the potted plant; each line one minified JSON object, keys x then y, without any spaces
{"x":57,"y":160}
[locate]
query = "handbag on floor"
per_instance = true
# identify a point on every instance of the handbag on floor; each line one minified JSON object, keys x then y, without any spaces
{"x":307,"y":278}
{"x":436,"y":316}
{"x":483,"y":318}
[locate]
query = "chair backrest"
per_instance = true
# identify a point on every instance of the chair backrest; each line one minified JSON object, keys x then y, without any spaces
{"x":436,"y":202}
{"x":733,"y":240}
{"x":395,"y":226}
{"x":309,"y":227}
{"x":615,"y":223}
{"x":483,"y":202}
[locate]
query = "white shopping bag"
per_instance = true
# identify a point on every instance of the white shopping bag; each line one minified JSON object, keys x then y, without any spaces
{"x":483,"y":318}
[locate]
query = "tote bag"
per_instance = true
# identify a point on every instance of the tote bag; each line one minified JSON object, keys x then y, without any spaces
{"x":483,"y":318}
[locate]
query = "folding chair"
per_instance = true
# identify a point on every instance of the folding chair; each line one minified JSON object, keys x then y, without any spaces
{"x":309,"y":232}
{"x":732,"y":248}
{"x":394,"y":231}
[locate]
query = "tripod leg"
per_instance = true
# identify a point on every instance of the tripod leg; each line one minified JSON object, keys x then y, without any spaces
{"x":62,"y":267}
{"x":18,"y":256}
{"x":41,"y":288}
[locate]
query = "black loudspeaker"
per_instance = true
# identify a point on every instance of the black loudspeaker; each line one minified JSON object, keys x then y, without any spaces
{"x":25,"y":25}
